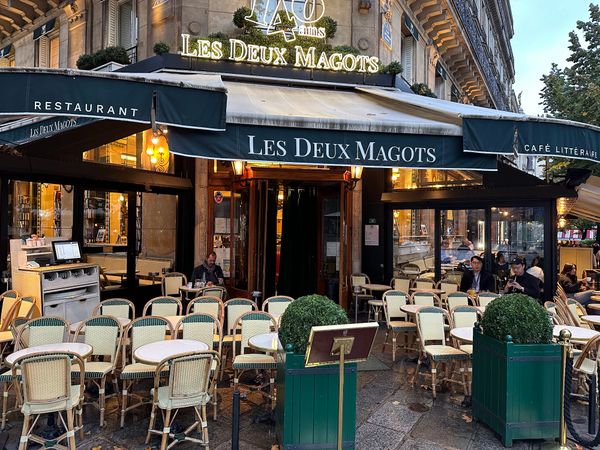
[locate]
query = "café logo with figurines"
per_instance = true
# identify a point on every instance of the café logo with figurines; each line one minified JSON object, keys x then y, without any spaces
{"x":289,"y":20}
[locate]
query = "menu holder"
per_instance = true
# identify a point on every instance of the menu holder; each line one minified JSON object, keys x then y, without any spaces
{"x":339,"y":344}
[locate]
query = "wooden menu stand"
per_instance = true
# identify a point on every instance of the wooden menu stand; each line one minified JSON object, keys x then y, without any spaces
{"x":340,"y":344}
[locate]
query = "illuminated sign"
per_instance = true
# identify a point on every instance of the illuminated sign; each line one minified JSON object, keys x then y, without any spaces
{"x":307,"y":58}
{"x":302,"y":17}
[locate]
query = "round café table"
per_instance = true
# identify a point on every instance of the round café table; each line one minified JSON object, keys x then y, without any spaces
{"x":155,"y":352}
{"x":595,"y":320}
{"x":122,"y":320}
{"x":267,"y":342}
{"x":464,"y":334}
{"x":376,"y":303}
{"x":80,"y":349}
{"x":189,"y":293}
{"x":577,"y":333}
{"x":376,"y":287}
{"x":411,"y":309}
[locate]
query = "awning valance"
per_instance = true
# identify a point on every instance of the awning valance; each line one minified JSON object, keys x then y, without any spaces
{"x":196,"y":102}
{"x":44,"y":29}
{"x":5,"y":51}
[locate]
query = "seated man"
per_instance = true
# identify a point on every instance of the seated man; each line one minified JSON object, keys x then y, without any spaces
{"x":522,"y":282}
{"x":208,"y":272}
{"x":477,"y":279}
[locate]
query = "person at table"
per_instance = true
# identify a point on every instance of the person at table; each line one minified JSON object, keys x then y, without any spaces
{"x":522,"y":282}
{"x":477,"y":279}
{"x":573,"y":287}
{"x":536,"y":269}
{"x":209,"y":271}
{"x":465,"y":250}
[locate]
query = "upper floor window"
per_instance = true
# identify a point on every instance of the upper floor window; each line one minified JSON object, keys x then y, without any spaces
{"x":47,"y":45}
{"x":121,"y":23}
{"x":7,"y":56}
{"x":407,"y":54}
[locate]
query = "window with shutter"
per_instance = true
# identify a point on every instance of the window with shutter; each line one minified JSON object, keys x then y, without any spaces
{"x":112,"y":8}
{"x":126,"y":24}
{"x":42,"y":46}
{"x":407,"y":52}
{"x":54,"y":47}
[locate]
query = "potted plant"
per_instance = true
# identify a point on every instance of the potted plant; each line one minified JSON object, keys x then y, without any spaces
{"x":516,"y":370}
{"x":307,"y":398}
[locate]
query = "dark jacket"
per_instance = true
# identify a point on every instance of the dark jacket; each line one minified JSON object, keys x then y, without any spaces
{"x":530,"y":283}
{"x":571,"y":285}
{"x":486,"y":281}
{"x":210,"y":274}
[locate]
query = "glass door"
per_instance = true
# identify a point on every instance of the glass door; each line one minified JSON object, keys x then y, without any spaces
{"x":328,"y":255}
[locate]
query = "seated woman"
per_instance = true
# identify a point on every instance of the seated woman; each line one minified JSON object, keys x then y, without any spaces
{"x":573,"y":287}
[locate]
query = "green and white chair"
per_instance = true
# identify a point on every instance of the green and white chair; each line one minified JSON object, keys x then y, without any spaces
{"x":431,"y":323}
{"x":277,"y":305}
{"x":45,"y":394}
{"x":215,"y":291}
{"x":485,"y":298}
{"x":248,"y":325}
{"x":455,"y":299}
{"x":204,"y":327}
{"x":396,"y":320}
{"x":104,"y":334}
{"x":359,"y":293}
{"x":189,"y":386}
{"x":9,"y":338}
{"x":121,"y":308}
{"x":207,"y":304}
{"x":448,"y":286}
{"x":425,"y":299}
{"x":171,"y":282}
{"x":424,"y":283}
{"x":164,"y":306}
{"x":234,"y":308}
{"x":141,"y":331}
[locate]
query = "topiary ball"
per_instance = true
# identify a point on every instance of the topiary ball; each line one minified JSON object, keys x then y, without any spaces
{"x":303,"y":314}
{"x":518,"y":316}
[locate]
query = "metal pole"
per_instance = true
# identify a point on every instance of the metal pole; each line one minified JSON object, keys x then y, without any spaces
{"x":592,"y":405}
{"x":235,"y":421}
{"x":340,"y":437}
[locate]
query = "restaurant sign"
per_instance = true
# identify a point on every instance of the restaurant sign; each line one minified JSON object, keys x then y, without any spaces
{"x":328,"y":147}
{"x":532,"y":137}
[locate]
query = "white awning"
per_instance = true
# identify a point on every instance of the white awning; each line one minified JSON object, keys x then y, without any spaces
{"x":587,"y":205}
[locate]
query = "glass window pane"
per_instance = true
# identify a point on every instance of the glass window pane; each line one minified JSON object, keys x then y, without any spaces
{"x":413,"y":238}
{"x":39,"y":208}
{"x":222,"y":230}
{"x":431,"y":178}
{"x":517,"y":232}
{"x":239,"y":273}
{"x":463,"y":235}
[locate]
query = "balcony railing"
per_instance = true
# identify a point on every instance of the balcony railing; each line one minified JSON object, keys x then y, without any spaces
{"x":132,"y":53}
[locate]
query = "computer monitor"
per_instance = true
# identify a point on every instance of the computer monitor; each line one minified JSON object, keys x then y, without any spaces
{"x":66,"y":251}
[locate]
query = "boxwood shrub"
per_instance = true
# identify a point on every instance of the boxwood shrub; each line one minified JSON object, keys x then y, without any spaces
{"x":518,"y":316}
{"x":305,"y":313}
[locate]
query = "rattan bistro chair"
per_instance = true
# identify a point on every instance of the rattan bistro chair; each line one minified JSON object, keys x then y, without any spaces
{"x":204,"y":328}
{"x":401,"y":284}
{"x":103,"y":333}
{"x":189,"y":386}
{"x":424,"y":283}
{"x":171,"y":282}
{"x":251,"y":324}
{"x":44,"y":394}
{"x":455,"y":299}
{"x":215,"y":291}
{"x":207,"y":304}
{"x":163,"y":307}
{"x":430,"y":325}
{"x":359,"y":293}
{"x":485,"y":298}
{"x":277,"y":305}
{"x":425,"y":299}
{"x":141,"y":331}
{"x":8,"y":311}
{"x":121,"y":308}
{"x":396,"y":320}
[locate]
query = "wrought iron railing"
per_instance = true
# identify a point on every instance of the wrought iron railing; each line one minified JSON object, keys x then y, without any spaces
{"x":132,"y":53}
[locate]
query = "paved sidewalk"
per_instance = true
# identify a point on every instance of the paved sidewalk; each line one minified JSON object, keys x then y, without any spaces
{"x":391,"y":415}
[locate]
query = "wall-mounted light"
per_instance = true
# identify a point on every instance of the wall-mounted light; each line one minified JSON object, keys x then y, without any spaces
{"x":238,"y":167}
{"x":562,"y":222}
{"x":353,"y":176}
{"x":156,"y":151}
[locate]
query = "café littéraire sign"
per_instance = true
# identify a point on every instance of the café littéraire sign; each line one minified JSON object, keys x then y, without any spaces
{"x":269,"y":20}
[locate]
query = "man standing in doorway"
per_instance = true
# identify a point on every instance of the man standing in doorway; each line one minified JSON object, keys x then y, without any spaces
{"x":477,"y":279}
{"x":209,"y":272}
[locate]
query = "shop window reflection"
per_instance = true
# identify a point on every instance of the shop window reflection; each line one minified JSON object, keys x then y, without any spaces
{"x":431,"y":178}
{"x":146,"y":151}
{"x":413,"y":239}
{"x":463,"y":236}
{"x":40,"y":208}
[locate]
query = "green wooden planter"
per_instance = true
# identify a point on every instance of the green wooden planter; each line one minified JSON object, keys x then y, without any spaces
{"x":516,"y":388}
{"x":307,"y":405}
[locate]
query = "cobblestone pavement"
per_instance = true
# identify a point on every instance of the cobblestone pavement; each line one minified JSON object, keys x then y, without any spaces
{"x":391,"y":415}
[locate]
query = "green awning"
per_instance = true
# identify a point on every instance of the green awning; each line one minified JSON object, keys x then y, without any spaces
{"x":195,"y":102}
{"x":288,"y":145}
{"x":532,"y":136}
{"x":44,"y":29}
